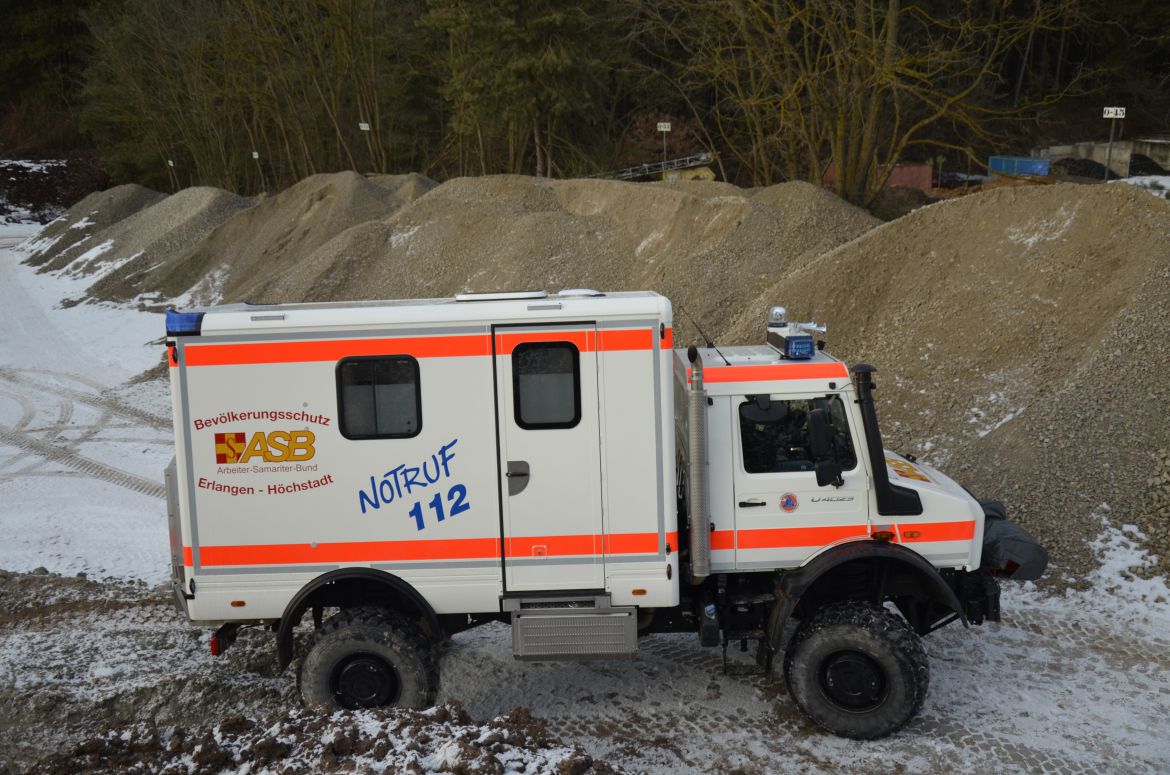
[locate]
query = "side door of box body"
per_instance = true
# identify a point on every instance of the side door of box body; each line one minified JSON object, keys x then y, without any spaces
{"x":547,"y":412}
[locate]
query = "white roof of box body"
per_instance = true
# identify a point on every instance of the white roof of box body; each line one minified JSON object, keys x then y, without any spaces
{"x":256,"y":318}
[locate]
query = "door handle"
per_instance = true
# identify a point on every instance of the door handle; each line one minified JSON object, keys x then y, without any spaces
{"x":751,"y":504}
{"x":517,"y":475}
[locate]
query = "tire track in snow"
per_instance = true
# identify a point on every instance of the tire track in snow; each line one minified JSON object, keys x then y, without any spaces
{"x":70,"y":459}
{"x":19,"y":377}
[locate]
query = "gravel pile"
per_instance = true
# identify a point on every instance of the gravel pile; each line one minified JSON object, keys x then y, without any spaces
{"x":1020,"y":336}
{"x":1140,"y":164}
{"x":1019,"y":331}
{"x":149,"y":243}
{"x":708,"y":246}
{"x":73,"y":234}
{"x":1083,"y":168}
{"x":273,"y":236}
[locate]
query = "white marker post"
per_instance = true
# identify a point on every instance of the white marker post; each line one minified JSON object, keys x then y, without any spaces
{"x":1112,"y":114}
{"x":664,"y":127}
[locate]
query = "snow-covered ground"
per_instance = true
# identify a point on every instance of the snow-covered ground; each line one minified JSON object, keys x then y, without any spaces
{"x":1158,"y":185}
{"x":79,"y":466}
{"x":1077,"y":682}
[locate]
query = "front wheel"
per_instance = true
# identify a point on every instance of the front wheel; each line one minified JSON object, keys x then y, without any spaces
{"x":857,"y":670}
{"x":368,"y":657}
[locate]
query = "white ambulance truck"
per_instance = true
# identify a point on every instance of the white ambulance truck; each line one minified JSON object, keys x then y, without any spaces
{"x":404,"y":470}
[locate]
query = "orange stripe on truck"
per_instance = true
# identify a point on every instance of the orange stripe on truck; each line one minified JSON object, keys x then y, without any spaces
{"x":785,"y":537}
{"x":433,"y":549}
{"x":611,"y":340}
{"x":936,"y":531}
{"x":560,"y":546}
{"x":584,"y":341}
{"x":775,"y":372}
{"x":336,"y":349}
{"x":350,"y":551}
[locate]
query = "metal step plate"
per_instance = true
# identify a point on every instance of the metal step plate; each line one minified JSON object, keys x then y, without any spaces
{"x":574,"y":634}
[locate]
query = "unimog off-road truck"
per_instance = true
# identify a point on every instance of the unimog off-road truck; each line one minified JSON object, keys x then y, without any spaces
{"x":401,"y":471}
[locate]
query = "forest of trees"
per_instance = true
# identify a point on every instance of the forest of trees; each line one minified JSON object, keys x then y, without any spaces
{"x":251,"y":95}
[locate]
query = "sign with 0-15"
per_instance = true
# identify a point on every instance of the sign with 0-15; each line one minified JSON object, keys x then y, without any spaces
{"x":1114,"y":113}
{"x":663,"y":126}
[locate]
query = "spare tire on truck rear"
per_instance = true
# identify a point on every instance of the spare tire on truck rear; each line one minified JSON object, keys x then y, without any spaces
{"x":857,"y":670}
{"x":368,"y":657}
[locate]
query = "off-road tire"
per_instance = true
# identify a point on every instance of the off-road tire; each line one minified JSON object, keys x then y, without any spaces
{"x":856,"y":670}
{"x":367,"y":657}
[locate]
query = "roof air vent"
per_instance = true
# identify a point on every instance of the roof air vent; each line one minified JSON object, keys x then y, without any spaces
{"x":501,"y":295}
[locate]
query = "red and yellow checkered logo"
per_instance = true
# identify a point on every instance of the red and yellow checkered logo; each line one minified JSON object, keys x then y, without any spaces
{"x":229,"y":447}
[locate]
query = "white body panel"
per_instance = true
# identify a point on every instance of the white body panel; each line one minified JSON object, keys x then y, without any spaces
{"x":256,"y":531}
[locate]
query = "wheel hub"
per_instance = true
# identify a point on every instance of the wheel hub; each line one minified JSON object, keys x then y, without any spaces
{"x":364,"y":681}
{"x":853,"y":681}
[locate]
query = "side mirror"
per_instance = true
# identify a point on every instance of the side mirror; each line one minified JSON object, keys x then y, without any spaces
{"x":829,"y":472}
{"x":820,"y":439}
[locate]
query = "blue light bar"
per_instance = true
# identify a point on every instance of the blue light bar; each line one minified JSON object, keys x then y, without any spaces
{"x":799,"y":347}
{"x":184,"y":323}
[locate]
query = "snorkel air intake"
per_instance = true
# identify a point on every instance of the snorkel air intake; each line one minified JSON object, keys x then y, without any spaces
{"x":892,"y":500}
{"x":698,"y":489}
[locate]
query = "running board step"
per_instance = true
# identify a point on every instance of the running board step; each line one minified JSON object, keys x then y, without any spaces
{"x":574,"y":633}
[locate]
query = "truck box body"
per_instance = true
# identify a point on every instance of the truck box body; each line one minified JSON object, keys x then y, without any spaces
{"x":474,"y":448}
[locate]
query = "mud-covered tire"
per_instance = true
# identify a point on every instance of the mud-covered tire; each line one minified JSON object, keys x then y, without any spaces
{"x":368,"y":657}
{"x":856,"y":670}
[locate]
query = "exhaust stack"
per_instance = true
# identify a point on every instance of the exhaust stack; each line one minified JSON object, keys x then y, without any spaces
{"x":698,"y":490}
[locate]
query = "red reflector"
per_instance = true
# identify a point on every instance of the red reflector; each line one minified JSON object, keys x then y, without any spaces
{"x":215,"y":649}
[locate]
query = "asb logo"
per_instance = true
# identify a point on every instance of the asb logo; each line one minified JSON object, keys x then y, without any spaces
{"x":271,"y":447}
{"x":788,"y":502}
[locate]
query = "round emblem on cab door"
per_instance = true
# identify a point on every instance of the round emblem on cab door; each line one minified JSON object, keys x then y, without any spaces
{"x":788,"y":502}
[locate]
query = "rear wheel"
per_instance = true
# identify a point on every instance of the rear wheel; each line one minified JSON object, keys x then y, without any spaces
{"x":857,"y":670}
{"x":368,"y":657}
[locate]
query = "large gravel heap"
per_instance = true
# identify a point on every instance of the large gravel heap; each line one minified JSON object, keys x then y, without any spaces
{"x":75,"y":232}
{"x":708,"y":246}
{"x":1019,"y":332}
{"x":1020,"y":336}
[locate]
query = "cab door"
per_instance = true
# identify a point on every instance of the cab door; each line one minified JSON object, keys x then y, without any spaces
{"x":781,"y":516}
{"x":550,"y":457}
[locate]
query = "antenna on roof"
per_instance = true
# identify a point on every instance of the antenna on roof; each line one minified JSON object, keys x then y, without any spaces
{"x":706,"y":339}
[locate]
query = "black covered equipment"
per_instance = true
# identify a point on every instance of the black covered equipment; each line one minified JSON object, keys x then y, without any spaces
{"x":1009,"y":549}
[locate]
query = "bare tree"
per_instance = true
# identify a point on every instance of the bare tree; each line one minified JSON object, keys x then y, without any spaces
{"x":801,"y":87}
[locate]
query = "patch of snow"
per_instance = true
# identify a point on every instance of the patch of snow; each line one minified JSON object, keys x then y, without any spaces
{"x":649,"y":240}
{"x":400,"y":238}
{"x":1158,"y":185}
{"x":1044,"y":229}
{"x":97,"y":251}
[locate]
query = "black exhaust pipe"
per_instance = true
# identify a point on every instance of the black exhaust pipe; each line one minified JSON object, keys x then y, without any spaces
{"x":892,"y":500}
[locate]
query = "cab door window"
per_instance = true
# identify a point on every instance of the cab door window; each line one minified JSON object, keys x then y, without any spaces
{"x":774,"y":434}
